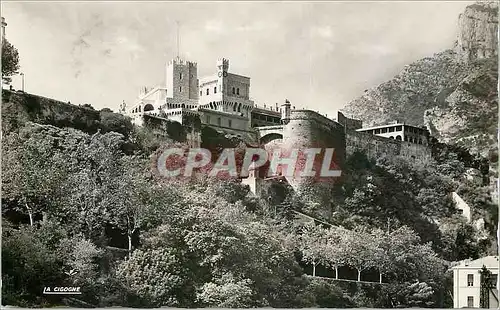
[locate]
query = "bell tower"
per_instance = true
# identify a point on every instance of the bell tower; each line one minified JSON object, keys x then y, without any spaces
{"x":222,"y":68}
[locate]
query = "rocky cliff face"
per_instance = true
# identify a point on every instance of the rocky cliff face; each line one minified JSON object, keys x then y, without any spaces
{"x":453,"y":93}
{"x":478,"y":27}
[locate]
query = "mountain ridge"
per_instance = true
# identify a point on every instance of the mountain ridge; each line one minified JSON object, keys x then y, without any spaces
{"x":453,"y":93}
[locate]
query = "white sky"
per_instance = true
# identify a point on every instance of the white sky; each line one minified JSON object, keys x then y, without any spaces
{"x":319,"y":55}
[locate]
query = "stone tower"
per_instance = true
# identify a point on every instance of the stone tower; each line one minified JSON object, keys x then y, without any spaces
{"x":182,"y":79}
{"x":222,"y":68}
{"x":285,"y":112}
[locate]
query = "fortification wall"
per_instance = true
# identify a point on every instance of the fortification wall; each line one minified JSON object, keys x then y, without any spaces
{"x":19,"y":107}
{"x":375,"y":147}
{"x":308,"y":129}
{"x":349,"y":123}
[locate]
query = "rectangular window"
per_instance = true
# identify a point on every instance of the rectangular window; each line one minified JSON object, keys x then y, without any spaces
{"x":391,"y":129}
{"x":470,"y":280}
{"x":470,"y":301}
{"x":384,"y":130}
{"x":230,"y":123}
{"x":180,"y":89}
{"x":180,"y":76}
{"x":377,"y":131}
{"x":398,"y":128}
{"x":237,"y":91}
{"x":219,"y":121}
{"x":208,"y":119}
{"x":494,"y":279}
{"x":207,"y":91}
{"x":215,"y":90}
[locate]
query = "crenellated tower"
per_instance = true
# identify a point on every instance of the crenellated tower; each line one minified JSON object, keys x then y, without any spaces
{"x":182,"y":79}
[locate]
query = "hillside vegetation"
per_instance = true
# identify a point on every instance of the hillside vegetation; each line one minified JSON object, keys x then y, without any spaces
{"x":90,"y":203}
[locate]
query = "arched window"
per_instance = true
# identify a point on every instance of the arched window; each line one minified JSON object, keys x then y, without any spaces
{"x":239,"y":107}
{"x":234,"y":107}
{"x":183,"y":106}
{"x":139,"y":108}
{"x":237,"y":91}
{"x":215,"y":90}
{"x":201,"y":92}
{"x":398,"y":138}
{"x":180,"y":75}
{"x":207,"y":91}
{"x":148,"y":107}
{"x":233,"y":90}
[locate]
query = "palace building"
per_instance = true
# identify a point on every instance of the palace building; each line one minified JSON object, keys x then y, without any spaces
{"x":221,"y":100}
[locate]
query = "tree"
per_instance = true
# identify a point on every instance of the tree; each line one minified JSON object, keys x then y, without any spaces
{"x":128,"y":196}
{"x":157,"y":277}
{"x":226,"y":292}
{"x":10,"y":61}
{"x":335,"y":250}
{"x":360,"y":249}
{"x":28,"y":264}
{"x":313,"y":245}
{"x":33,"y":169}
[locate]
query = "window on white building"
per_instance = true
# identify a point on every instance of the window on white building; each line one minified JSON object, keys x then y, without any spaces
{"x":219,"y":121}
{"x":207,"y":91}
{"x":470,"y":301}
{"x":470,"y":280}
{"x":233,"y":90}
{"x":215,"y":90}
{"x":230,"y":123}
{"x":201,"y":92}
{"x":237,"y":91}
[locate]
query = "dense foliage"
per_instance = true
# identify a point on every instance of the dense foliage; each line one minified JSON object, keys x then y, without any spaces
{"x":92,"y":204}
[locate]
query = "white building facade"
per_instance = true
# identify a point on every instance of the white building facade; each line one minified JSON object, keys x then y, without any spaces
{"x":221,"y":100}
{"x":467,"y":283}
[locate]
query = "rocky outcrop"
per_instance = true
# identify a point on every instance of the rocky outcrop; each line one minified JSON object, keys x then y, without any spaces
{"x":468,"y":115}
{"x":420,"y":86}
{"x":478,"y":31}
{"x":453,"y":93}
